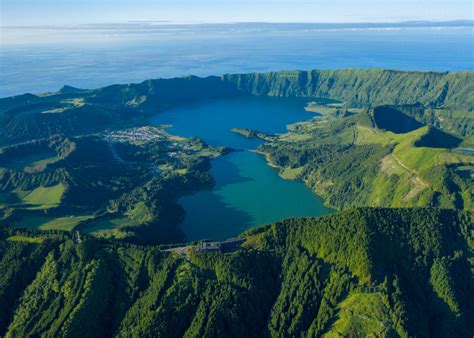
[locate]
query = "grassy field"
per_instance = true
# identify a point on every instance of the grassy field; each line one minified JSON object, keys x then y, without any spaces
{"x":44,"y":197}
{"x":418,"y":168}
{"x":367,"y":135}
{"x":364,"y":313}
{"x":409,"y":156}
{"x":407,"y":172}
{"x":50,"y":223}
{"x":27,"y":239}
{"x":110,"y":227}
{"x":291,"y":173}
{"x":45,"y":161}
{"x":182,"y":171}
{"x":31,"y":197}
{"x":34,"y":160}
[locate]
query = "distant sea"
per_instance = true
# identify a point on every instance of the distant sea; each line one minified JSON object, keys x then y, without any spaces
{"x":44,"y":59}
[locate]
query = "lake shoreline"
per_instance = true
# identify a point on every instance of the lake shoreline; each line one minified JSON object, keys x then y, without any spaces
{"x":248,"y":189}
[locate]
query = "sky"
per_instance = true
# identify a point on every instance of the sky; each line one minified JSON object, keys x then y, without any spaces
{"x":73,"y":12}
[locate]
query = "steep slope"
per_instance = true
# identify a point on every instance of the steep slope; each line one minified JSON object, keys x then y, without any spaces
{"x":121,"y":184}
{"x":445,"y":100}
{"x":381,"y":272}
{"x":364,"y":87}
{"x":352,"y":163}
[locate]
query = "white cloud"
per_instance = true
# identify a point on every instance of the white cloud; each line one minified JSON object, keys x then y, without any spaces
{"x":23,"y":12}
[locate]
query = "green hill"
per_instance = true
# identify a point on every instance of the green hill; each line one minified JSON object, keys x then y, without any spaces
{"x":352,"y":162}
{"x":364,"y":86}
{"x":371,"y":147}
{"x":118,"y":184}
{"x":85,"y":160}
{"x":369,"y":272}
{"x":445,"y":100}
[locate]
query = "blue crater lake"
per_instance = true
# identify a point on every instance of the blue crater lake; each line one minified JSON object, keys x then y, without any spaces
{"x":247,"y":191}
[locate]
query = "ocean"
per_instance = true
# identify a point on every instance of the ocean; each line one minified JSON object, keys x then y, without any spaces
{"x":42,"y":60}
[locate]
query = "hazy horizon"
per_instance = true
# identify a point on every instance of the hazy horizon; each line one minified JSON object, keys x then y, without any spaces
{"x":466,"y":21}
{"x":89,"y":44}
{"x":93,"y":57}
{"x":30,"y":12}
{"x":145,"y":30}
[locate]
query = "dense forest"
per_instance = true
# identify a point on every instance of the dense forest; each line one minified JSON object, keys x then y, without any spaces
{"x":380,"y":138}
{"x":353,"y":161}
{"x":444,"y":100}
{"x":123,"y":184}
{"x":84,"y":178}
{"x":366,"y":272}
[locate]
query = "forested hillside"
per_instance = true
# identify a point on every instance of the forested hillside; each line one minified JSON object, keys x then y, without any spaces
{"x":364,"y":86}
{"x":442,"y":99}
{"x":89,"y":160}
{"x":375,"y":157}
{"x":445,"y":100}
{"x":379,"y":272}
{"x":117,"y":184}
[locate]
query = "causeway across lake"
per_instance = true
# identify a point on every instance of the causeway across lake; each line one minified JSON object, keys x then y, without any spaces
{"x":248,"y":192}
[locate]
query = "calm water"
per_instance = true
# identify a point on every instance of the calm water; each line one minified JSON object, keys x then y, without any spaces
{"x":213,"y":120}
{"x":247,"y":192}
{"x":94,"y":58}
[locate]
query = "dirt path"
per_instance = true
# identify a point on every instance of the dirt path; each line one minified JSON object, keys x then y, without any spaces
{"x":418,"y":184}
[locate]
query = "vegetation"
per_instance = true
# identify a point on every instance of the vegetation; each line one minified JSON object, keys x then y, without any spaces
{"x":250,"y":133}
{"x":121,"y":184}
{"x":85,"y":161}
{"x":63,"y":155}
{"x":354,"y":160}
{"x":45,"y":197}
{"x":443,"y":100}
{"x":50,"y":222}
{"x":370,"y":272}
{"x":28,"y":239}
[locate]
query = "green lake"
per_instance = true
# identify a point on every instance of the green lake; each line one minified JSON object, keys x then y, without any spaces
{"x":247,"y":191}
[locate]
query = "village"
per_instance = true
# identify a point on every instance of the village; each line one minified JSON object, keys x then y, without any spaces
{"x":141,"y":135}
{"x":136,"y":135}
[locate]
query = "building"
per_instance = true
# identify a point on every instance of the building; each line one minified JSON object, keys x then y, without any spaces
{"x":224,"y":246}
